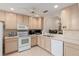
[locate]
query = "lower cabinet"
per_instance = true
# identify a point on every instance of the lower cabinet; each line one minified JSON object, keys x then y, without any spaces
{"x":39,"y":41}
{"x":44,"y":42}
{"x":33,"y":40}
{"x":11,"y":45}
{"x":71,"y":49}
{"x":48,"y":44}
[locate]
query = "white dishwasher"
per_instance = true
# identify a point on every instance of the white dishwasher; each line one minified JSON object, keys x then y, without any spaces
{"x":57,"y":47}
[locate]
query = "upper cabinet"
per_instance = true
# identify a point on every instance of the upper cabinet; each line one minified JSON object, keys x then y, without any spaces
{"x":70,"y":18}
{"x":32,"y":23}
{"x":19,"y":19}
{"x":10,"y":22}
{"x":39,"y":23}
{"x":22,"y":19}
{"x":26,"y":20}
{"x":2,"y":16}
{"x":35,"y":23}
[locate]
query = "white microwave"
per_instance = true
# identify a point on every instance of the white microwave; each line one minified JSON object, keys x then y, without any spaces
{"x":21,"y":27}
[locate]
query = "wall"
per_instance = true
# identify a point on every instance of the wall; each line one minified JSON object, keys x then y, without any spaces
{"x":70,"y":17}
{"x":49,"y":23}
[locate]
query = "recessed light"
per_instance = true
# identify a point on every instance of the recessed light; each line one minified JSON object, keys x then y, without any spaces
{"x":11,"y":9}
{"x":55,"y":6}
{"x":63,"y":11}
{"x":36,"y":15}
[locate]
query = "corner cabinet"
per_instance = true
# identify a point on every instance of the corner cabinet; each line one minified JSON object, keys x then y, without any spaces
{"x":10,"y":21}
{"x":70,"y":17}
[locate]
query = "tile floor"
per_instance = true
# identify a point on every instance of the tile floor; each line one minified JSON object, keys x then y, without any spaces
{"x":35,"y":51}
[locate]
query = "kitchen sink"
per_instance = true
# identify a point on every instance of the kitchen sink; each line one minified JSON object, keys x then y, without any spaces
{"x":49,"y":35}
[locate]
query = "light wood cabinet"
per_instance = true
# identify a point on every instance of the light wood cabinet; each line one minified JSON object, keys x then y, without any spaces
{"x":44,"y":42}
{"x":32,"y":23}
{"x":11,"y":45}
{"x":39,"y":23}
{"x":69,"y":17}
{"x":2,"y":16}
{"x":35,"y":23}
{"x":48,"y":44}
{"x":20,"y":19}
{"x":39,"y":41}
{"x":34,"y":40}
{"x":10,"y":22}
{"x":66,"y":18}
{"x":71,"y":49}
{"x":26,"y":20}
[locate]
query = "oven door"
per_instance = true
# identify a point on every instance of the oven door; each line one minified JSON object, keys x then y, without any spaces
{"x":24,"y":41}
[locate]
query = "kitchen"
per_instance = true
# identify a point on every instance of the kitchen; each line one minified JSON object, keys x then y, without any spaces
{"x":53,"y":33}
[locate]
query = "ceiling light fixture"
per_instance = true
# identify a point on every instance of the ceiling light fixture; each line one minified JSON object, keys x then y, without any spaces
{"x":55,"y":6}
{"x":45,"y":11}
{"x":35,"y":13}
{"x":11,"y":9}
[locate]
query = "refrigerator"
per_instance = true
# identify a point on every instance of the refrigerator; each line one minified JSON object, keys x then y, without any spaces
{"x":1,"y":37}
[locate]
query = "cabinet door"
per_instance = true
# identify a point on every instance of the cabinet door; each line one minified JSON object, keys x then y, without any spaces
{"x":66,"y":18}
{"x":42,"y":42}
{"x":75,"y":17}
{"x":11,"y":45}
{"x":71,"y":49}
{"x":20,"y":19}
{"x":35,"y":23}
{"x":34,"y":41}
{"x":26,"y":20}
{"x":10,"y":21}
{"x":48,"y":44}
{"x":32,"y":23}
{"x":39,"y":23}
{"x":69,"y":17}
{"x":2,"y":16}
{"x":39,"y":41}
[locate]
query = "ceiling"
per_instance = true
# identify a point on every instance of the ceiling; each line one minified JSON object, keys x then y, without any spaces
{"x":26,"y":8}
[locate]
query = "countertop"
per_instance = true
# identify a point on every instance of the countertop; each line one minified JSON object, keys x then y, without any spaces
{"x":6,"y":37}
{"x":63,"y":38}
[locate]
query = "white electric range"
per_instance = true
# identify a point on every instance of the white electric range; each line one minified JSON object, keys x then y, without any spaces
{"x":24,"y":40}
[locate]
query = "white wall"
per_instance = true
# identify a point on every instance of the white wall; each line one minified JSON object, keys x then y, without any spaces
{"x":49,"y":23}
